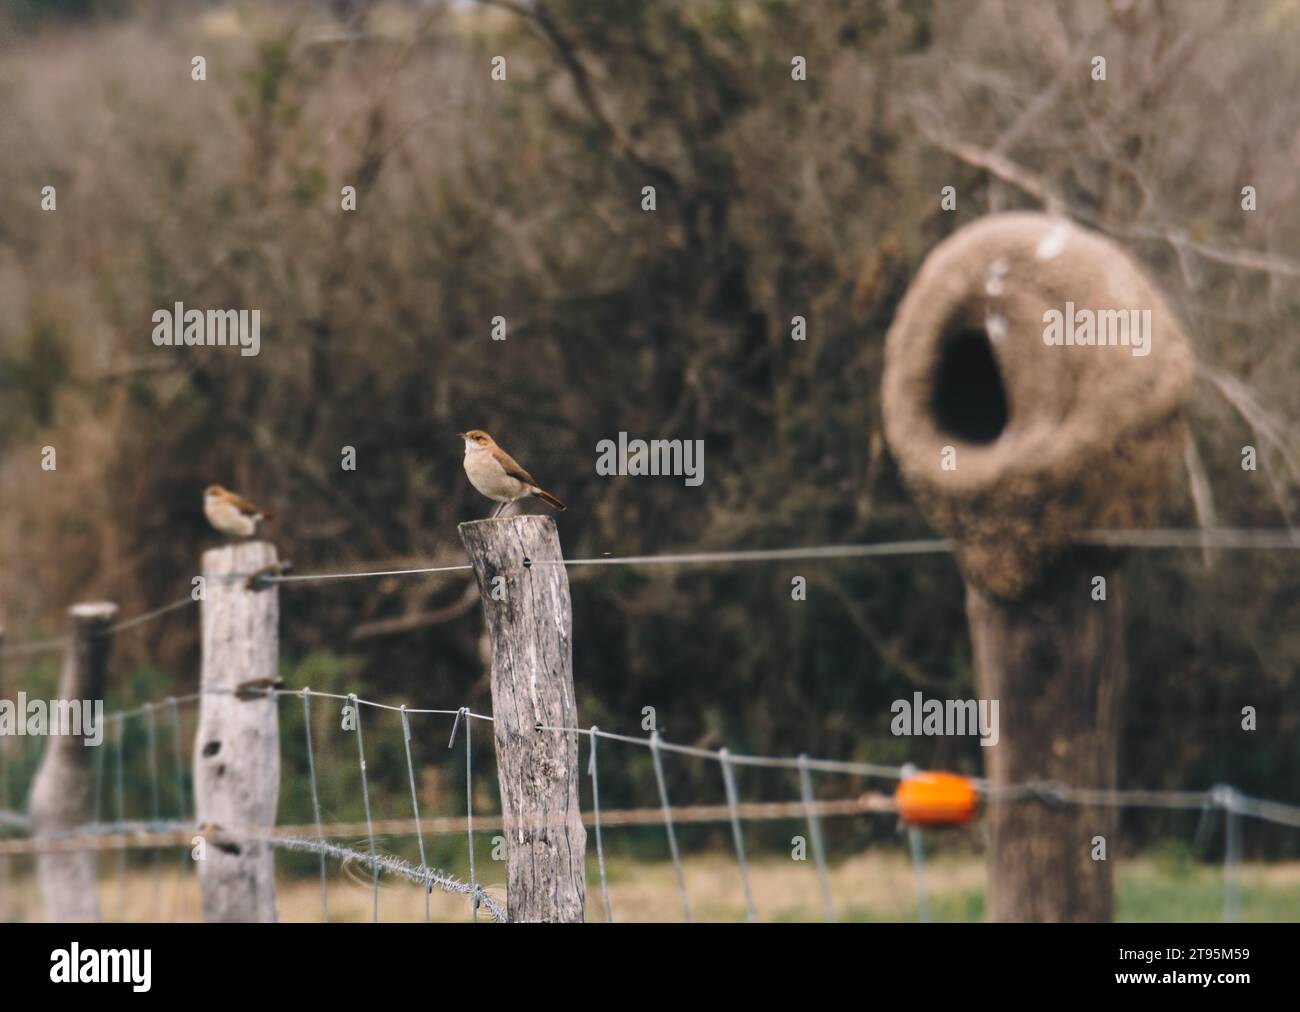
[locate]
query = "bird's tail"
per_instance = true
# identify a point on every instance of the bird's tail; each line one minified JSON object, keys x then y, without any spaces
{"x":547,"y":498}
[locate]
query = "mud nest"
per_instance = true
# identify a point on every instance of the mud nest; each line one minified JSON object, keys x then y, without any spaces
{"x":1011,"y":445}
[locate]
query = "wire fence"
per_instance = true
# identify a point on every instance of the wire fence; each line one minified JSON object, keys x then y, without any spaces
{"x":120,"y":834}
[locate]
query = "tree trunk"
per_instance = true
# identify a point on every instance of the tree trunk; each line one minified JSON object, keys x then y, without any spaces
{"x":1055,"y":663}
{"x":525,"y":592}
{"x":237,"y":747}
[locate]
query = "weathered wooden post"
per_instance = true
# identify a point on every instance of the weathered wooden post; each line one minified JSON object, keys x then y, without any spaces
{"x":1015,"y":443}
{"x":61,"y":793}
{"x":237,"y":747}
{"x":525,"y":590}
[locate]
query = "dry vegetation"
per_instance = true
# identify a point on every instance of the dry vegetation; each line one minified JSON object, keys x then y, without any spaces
{"x":871,"y":887}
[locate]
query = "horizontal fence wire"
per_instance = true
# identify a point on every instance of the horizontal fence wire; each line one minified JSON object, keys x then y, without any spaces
{"x":737,"y":759}
{"x":137,"y":835}
{"x":1210,"y":537}
{"x":311,"y":577}
{"x":1272,"y":811}
{"x":1222,"y":796}
{"x":1264,"y":539}
{"x":813,"y":552}
{"x":35,"y":647}
{"x":59,"y":642}
{"x":149,"y":616}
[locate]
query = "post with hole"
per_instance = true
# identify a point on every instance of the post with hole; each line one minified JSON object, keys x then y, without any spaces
{"x":1015,"y":443}
{"x":61,"y":793}
{"x":525,"y":590}
{"x":237,"y":746}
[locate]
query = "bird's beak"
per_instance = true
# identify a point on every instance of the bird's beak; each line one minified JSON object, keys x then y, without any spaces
{"x":460,"y":435}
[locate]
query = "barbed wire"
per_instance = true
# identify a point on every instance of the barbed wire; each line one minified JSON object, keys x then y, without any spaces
{"x":420,"y":874}
{"x":153,"y":835}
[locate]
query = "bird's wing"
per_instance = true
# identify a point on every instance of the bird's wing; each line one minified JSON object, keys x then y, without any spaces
{"x":512,"y":467}
{"x":243,"y":505}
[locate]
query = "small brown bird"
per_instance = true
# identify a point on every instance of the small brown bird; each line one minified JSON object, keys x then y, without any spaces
{"x":231,"y":514}
{"x":497,"y":475}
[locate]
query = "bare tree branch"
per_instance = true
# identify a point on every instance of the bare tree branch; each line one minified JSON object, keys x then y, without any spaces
{"x":539,"y":18}
{"x":419,"y":620}
{"x":1025,"y":180}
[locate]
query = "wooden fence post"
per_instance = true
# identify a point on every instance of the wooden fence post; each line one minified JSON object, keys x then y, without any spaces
{"x":60,"y":798}
{"x":525,"y":592}
{"x":1015,"y":444}
{"x":237,"y":747}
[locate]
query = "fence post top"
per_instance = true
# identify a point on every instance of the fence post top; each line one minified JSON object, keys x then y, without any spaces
{"x":103,"y":610}
{"x":522,"y":518}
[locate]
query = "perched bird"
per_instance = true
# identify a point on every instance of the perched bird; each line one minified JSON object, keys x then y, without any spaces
{"x":231,"y":514}
{"x":497,"y":475}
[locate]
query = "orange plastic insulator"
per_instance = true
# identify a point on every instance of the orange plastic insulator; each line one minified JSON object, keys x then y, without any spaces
{"x":936,"y":799}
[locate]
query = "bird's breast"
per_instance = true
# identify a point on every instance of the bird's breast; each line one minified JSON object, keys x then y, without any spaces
{"x":488,"y":476}
{"x":227,"y":519}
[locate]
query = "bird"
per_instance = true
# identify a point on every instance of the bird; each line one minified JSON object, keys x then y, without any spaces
{"x":231,"y":514}
{"x":498,"y":475}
